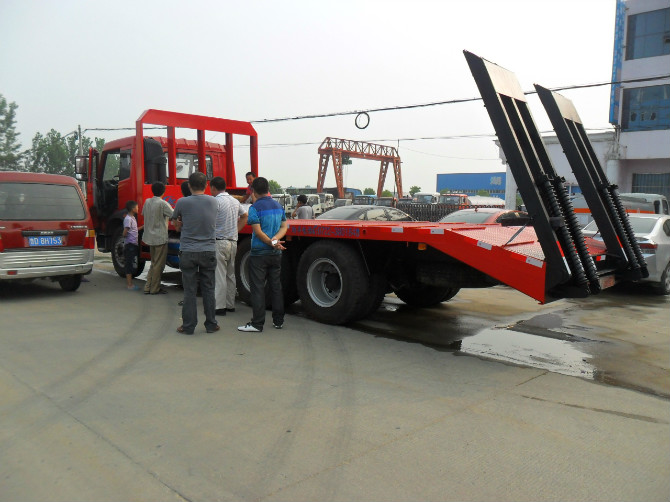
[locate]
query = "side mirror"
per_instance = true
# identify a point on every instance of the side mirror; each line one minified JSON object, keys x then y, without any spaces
{"x":81,"y":167}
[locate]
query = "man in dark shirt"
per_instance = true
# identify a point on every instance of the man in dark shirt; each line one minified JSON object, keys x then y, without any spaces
{"x":197,"y":253}
{"x":268,"y":222}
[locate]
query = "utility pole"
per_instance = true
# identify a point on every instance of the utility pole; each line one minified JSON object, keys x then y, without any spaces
{"x":80,"y":144}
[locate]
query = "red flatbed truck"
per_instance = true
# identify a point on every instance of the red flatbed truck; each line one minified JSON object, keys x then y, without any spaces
{"x":341,"y":270}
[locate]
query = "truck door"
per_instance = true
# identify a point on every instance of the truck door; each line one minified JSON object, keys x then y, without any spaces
{"x":114,"y":168}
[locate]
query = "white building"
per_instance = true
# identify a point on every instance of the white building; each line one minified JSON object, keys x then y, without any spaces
{"x":636,"y":155}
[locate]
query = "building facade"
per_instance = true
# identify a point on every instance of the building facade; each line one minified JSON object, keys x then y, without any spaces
{"x":471,"y":183}
{"x":636,"y":154}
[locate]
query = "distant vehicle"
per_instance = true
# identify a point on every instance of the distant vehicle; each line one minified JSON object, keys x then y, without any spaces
{"x":386,"y":201}
{"x":643,"y":203}
{"x":426,"y":197}
{"x":506,"y":217}
{"x":652,"y":232}
{"x":455,"y":199}
{"x":366,"y":213}
{"x":314,"y":200}
{"x":46,"y":230}
{"x":342,"y":202}
{"x":285,"y":200}
{"x":480,"y":200}
{"x":365,"y":200}
{"x":326,"y":200}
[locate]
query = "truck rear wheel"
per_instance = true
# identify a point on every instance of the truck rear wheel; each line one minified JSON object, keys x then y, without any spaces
{"x":242,"y":276}
{"x":118,"y":260}
{"x":332,"y":281}
{"x":421,"y":295}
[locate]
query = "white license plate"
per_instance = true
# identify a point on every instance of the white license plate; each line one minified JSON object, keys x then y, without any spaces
{"x":50,"y":240}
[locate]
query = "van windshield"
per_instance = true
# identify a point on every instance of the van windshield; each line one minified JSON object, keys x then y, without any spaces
{"x":36,"y":201}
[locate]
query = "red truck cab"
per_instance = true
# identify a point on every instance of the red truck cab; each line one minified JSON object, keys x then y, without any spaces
{"x":127,"y":167}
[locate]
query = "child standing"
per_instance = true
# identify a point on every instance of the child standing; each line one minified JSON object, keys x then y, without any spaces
{"x":131,"y":248}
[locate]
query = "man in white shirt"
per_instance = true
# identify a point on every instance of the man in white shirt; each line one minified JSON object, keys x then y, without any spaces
{"x":156,"y":213}
{"x":230,"y":218}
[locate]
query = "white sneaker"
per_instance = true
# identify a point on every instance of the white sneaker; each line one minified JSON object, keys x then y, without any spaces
{"x":248,"y":327}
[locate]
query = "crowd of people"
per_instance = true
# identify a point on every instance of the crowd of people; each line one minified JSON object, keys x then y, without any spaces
{"x":209,"y":226}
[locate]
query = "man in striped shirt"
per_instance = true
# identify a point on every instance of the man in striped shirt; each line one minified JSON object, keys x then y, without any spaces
{"x":230,"y":218}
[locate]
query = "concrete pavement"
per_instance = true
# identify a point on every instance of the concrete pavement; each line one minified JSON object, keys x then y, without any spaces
{"x":100,"y":399}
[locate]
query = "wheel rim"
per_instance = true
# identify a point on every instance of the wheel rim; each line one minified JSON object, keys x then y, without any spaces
{"x":324,"y":282}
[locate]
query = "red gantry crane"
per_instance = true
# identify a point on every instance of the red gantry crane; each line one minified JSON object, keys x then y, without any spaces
{"x":343,"y":149}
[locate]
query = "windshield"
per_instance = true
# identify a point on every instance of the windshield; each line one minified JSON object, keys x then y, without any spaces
{"x":639,"y":224}
{"x":449,"y":199}
{"x":424,"y":198}
{"x":466,"y":217}
{"x":36,"y":201}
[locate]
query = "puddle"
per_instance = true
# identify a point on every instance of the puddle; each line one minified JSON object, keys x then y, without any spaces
{"x":515,"y":347}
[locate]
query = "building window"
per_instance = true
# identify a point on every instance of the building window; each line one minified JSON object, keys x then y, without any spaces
{"x":652,"y":183}
{"x":648,"y":34}
{"x":646,"y":108}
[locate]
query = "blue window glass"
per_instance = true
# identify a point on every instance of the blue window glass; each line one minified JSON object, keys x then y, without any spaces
{"x":648,"y":34}
{"x":646,"y":108}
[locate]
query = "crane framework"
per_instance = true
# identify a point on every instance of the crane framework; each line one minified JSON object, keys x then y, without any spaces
{"x":338,"y":148}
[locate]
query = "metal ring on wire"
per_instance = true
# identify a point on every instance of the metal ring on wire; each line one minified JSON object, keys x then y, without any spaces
{"x":359,"y":122}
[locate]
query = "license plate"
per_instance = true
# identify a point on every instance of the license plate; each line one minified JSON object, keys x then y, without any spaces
{"x":51,"y":240}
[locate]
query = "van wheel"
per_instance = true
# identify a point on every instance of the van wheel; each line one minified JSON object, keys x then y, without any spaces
{"x":118,"y":260}
{"x":421,"y":295}
{"x":70,"y":282}
{"x":332,"y":280}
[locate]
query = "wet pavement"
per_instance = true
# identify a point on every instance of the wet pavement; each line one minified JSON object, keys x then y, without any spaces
{"x":619,"y":337}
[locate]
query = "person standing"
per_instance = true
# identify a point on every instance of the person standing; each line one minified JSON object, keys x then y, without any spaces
{"x":230,"y":218}
{"x":156,"y":213}
{"x":195,"y":217}
{"x":268,"y":223}
{"x":131,"y":248}
{"x":250,"y":179}
{"x":303,"y":211}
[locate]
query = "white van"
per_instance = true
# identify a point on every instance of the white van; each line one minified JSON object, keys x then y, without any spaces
{"x":426,"y":197}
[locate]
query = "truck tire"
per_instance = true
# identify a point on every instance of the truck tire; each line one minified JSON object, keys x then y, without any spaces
{"x":371,"y":300}
{"x":332,"y":281}
{"x":241,"y":274}
{"x":421,"y":295}
{"x":242,"y":277}
{"x":70,"y":282}
{"x":118,"y":259}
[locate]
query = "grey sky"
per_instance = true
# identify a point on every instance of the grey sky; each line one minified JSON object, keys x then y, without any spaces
{"x":100,"y":64}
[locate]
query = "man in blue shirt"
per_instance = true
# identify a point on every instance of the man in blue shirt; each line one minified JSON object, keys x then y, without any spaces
{"x":268,"y":222}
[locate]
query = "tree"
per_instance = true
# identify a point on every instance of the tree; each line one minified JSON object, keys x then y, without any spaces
{"x":54,"y":153}
{"x":387,"y":193}
{"x":275,"y":187}
{"x":10,"y":156}
{"x":483,"y":193}
{"x":414,"y":190}
{"x":369,"y":191}
{"x":445,"y":190}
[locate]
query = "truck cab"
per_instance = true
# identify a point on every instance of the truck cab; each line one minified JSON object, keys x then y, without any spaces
{"x":126,"y":168}
{"x":426,"y":197}
{"x":454,"y":199}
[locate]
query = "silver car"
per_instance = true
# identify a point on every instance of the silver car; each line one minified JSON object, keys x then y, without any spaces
{"x":653,"y":234}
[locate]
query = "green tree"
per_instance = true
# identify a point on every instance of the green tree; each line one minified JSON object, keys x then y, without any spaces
{"x":369,"y":191}
{"x":445,"y":190}
{"x":414,"y":190}
{"x":10,"y":156}
{"x":387,"y":193}
{"x":275,"y":187}
{"x":54,"y":153}
{"x":483,"y":193}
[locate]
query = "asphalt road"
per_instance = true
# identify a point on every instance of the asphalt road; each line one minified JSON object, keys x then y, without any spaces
{"x":487,"y":397}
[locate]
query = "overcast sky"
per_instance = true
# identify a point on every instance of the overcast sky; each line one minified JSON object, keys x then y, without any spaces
{"x":100,"y":64}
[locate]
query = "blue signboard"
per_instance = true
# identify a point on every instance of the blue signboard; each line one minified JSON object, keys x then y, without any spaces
{"x":471,"y":183}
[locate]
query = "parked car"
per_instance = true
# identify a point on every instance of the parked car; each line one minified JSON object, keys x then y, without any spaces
{"x":367,"y":213}
{"x":364,"y":200}
{"x":342,"y":202}
{"x":45,"y":229}
{"x":506,"y":217}
{"x":386,"y":201}
{"x":653,"y":235}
